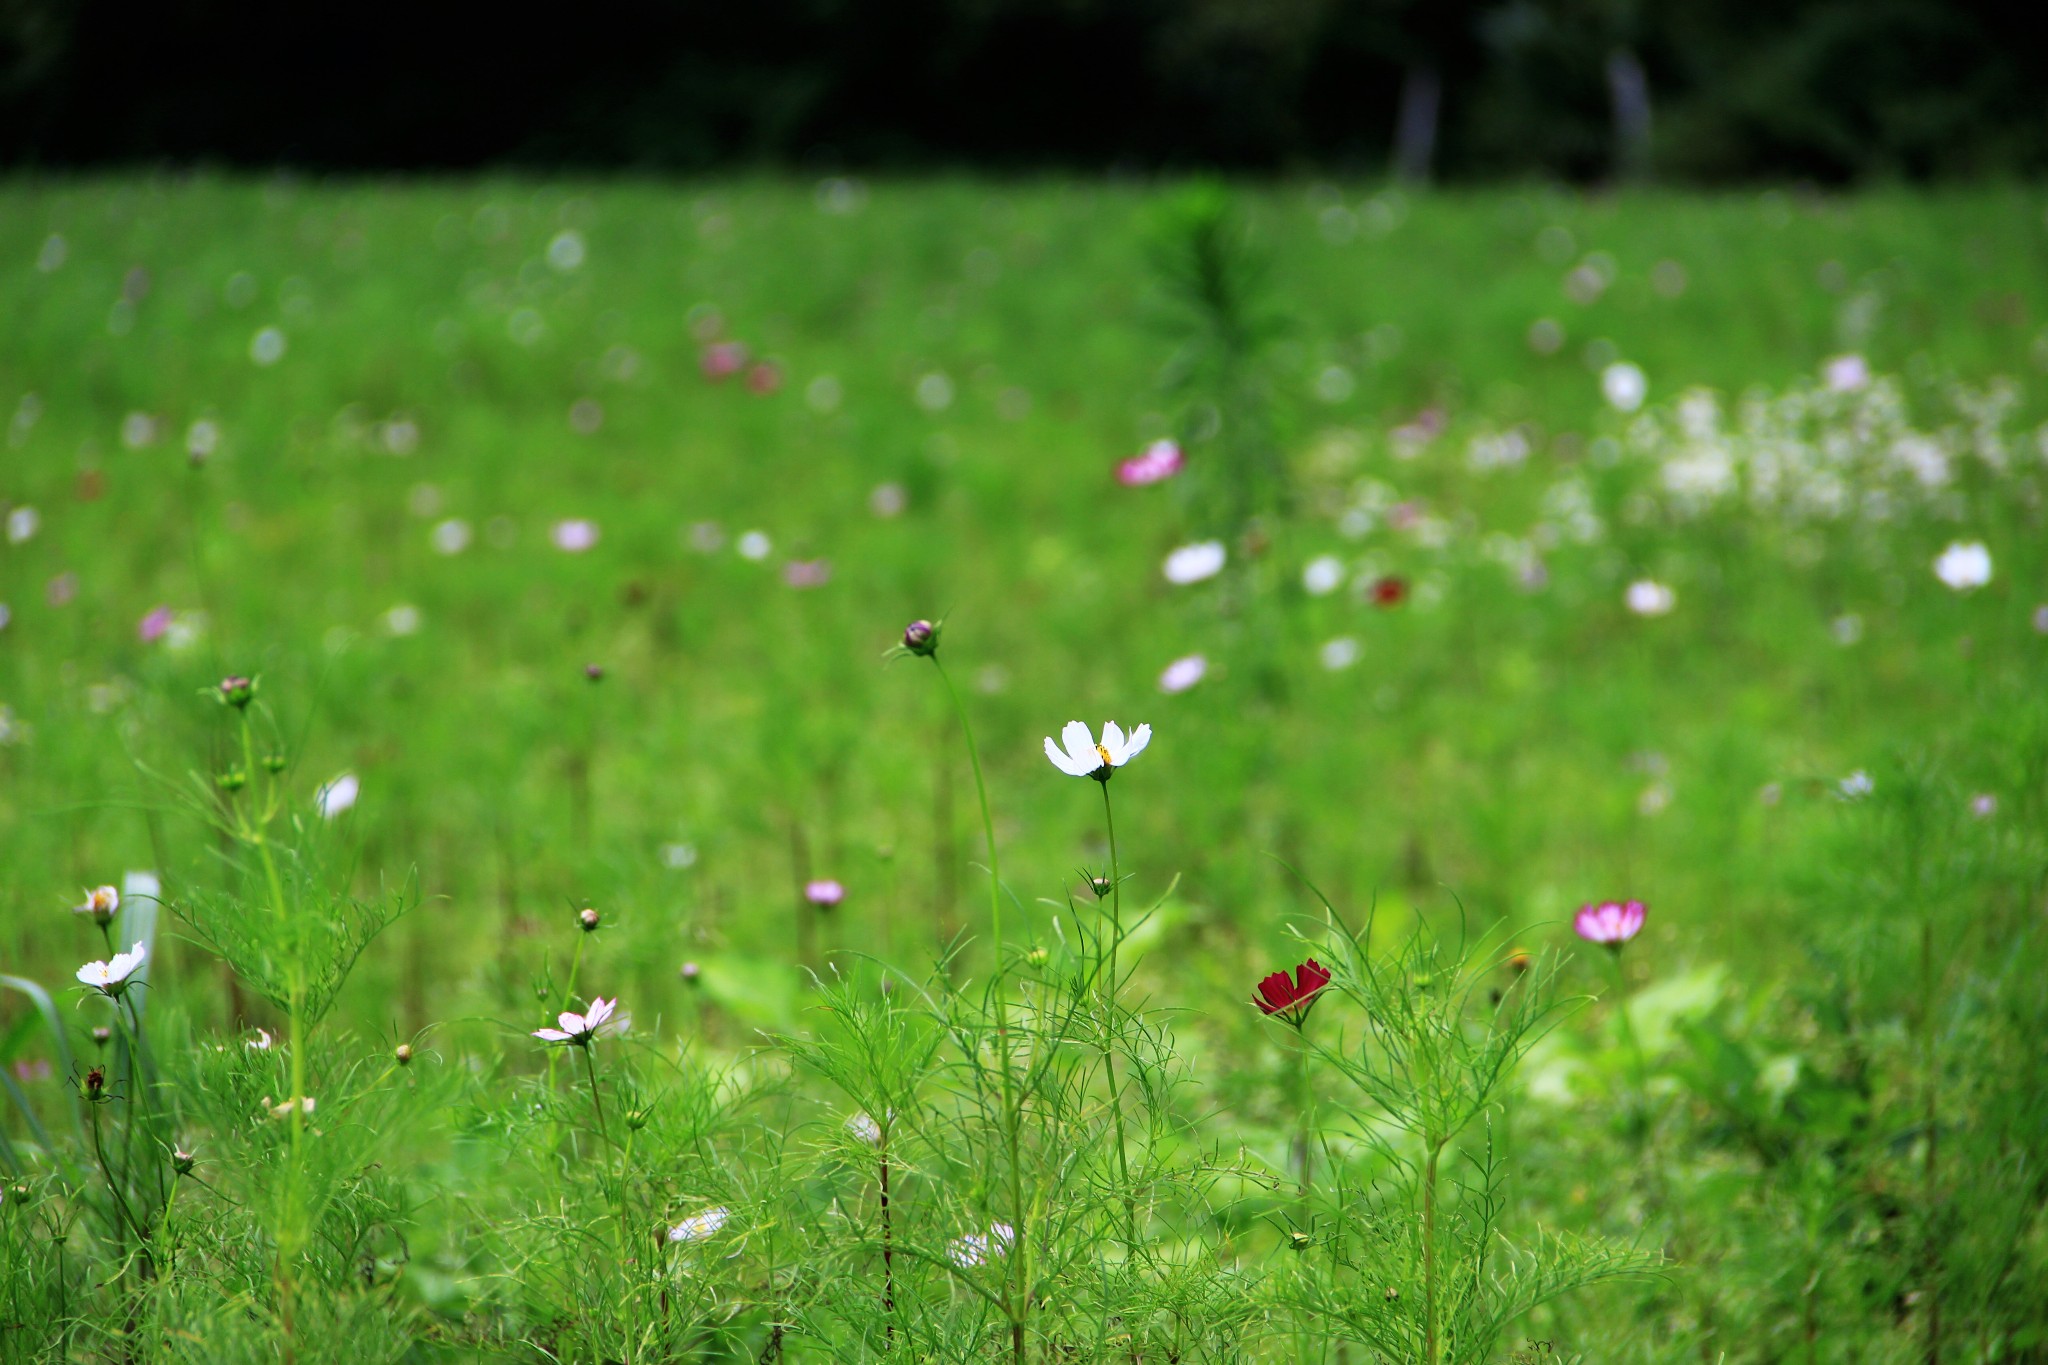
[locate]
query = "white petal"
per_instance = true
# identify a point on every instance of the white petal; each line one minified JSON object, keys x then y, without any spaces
{"x":1113,"y":740}
{"x":1140,"y":737}
{"x":552,"y":1035}
{"x":1062,"y":762}
{"x":1080,"y":747}
{"x":599,"y":1012}
{"x":571,"y":1023}
{"x":93,"y":974}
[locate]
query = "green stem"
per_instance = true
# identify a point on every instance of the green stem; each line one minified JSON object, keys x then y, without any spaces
{"x":1639,"y":1121}
{"x":1019,"y":1306}
{"x":1116,"y":1096}
{"x":1429,"y":1325}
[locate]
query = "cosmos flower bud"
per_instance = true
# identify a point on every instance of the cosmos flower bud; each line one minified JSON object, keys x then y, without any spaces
{"x":1393,"y":1295}
{"x":1298,"y":1240}
{"x":1519,"y":961}
{"x":690,"y":972}
{"x":237,"y":691}
{"x":402,"y":1054}
{"x":594,"y":672}
{"x":181,"y":1161}
{"x":233,"y":780}
{"x":921,"y":638}
{"x":588,"y":918}
{"x":102,"y":1035}
{"x":94,"y":1087}
{"x":273,"y":764}
{"x":19,"y":1192}
{"x":99,"y":904}
{"x":1038,"y":957}
{"x":1101,"y":886}
{"x":636,"y":1119}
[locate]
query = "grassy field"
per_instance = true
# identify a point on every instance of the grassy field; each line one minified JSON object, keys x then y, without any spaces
{"x":1573,"y":550}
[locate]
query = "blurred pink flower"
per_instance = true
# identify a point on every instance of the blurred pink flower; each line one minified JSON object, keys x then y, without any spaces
{"x":1160,"y":461}
{"x":62,"y":588}
{"x":1610,"y":923}
{"x":824,"y":893}
{"x":575,"y":535}
{"x":1183,"y":673}
{"x":722,"y":360}
{"x":807,"y":573}
{"x":765,"y":378}
{"x":151,"y":628}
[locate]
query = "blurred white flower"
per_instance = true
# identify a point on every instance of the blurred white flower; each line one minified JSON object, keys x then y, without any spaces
{"x":698,"y":1226}
{"x":888,"y":500}
{"x":1193,"y":563}
{"x":138,"y":431}
{"x":2040,"y":618}
{"x":304,"y":1104}
{"x":865,"y":1128}
{"x":1648,"y":597}
{"x":403,"y":619}
{"x":756,"y":546}
{"x":1983,"y":805}
{"x":110,"y":978}
{"x":976,"y":1247}
{"x":1339,"y":653}
{"x":824,"y":393}
{"x":565,"y":252}
{"x":1846,"y":373}
{"x":337,"y":796}
{"x":574,"y":535}
{"x":267,"y":346}
{"x":1624,"y":386}
{"x":261,"y":1042}
{"x":1964,"y":565}
{"x":1847,"y":629}
{"x":1322,"y":575}
{"x":678,"y":856}
{"x":1855,"y":786}
{"x":21,"y":524}
{"x":451,"y":537}
{"x":935,"y":392}
{"x":202,"y":438}
{"x":580,"y":1030}
{"x":1183,"y":673}
{"x":1083,"y":757}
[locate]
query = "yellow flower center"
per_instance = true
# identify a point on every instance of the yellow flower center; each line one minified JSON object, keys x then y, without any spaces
{"x":1107,"y":762}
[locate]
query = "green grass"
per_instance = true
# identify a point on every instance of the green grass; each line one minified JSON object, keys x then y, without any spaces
{"x":1494,"y":757}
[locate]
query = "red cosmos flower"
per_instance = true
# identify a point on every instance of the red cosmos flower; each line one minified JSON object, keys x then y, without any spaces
{"x":1292,"y":998}
{"x":1389,"y":591}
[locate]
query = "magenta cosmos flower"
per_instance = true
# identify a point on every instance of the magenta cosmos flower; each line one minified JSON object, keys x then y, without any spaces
{"x":1160,"y":461}
{"x":1609,"y":923}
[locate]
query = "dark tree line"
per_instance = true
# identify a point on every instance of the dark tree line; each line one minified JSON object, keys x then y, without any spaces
{"x":1829,"y":90}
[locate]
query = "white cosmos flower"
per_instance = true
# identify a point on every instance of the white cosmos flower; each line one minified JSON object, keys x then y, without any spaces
{"x":305,"y":1104}
{"x":1624,"y":386}
{"x":580,"y":1030}
{"x":865,"y":1128}
{"x":1083,"y":757}
{"x":698,"y":1226}
{"x":1964,"y":565}
{"x":337,"y":796}
{"x":1193,"y":563}
{"x":110,"y":978}
{"x":1183,"y":673}
{"x":100,"y":903}
{"x":1648,"y":597}
{"x":976,"y":1247}
{"x":1847,"y":373}
{"x":1323,"y":575}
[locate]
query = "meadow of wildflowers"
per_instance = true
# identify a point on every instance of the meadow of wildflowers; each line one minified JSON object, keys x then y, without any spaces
{"x":539,"y":729}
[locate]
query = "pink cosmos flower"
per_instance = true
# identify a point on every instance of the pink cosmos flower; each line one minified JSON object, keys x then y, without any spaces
{"x":1159,"y":462}
{"x":575,"y":535}
{"x":807,"y":573}
{"x":581,"y":1030}
{"x":152,"y":627}
{"x":1609,"y":923}
{"x":824,"y":893}
{"x":721,"y":360}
